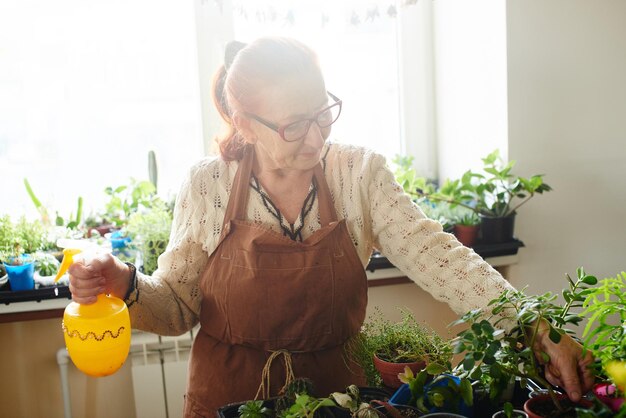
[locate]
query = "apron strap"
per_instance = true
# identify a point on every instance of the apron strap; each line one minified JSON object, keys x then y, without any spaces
{"x":325,"y":202}
{"x":238,"y":200}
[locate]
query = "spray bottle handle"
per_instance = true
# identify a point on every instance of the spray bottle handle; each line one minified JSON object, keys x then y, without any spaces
{"x":68,"y":260}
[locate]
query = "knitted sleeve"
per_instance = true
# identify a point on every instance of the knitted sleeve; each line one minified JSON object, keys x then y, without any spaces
{"x":433,"y":259}
{"x":168,"y":302}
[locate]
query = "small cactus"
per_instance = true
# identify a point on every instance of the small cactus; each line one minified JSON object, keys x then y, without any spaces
{"x":298,"y":386}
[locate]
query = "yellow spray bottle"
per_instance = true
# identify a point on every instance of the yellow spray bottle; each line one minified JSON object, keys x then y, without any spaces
{"x":97,"y":336}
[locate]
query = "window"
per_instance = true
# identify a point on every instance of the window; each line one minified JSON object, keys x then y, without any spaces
{"x":357,"y":48}
{"x":86,"y":90}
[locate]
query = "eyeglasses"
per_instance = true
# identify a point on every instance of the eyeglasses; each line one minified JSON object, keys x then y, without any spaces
{"x":297,"y":130}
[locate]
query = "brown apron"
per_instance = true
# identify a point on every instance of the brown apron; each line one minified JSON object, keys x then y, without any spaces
{"x":266,"y":295}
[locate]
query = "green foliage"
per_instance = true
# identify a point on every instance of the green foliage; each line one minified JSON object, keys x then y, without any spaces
{"x":605,"y":309}
{"x":407,"y":177}
{"x":468,"y":219}
{"x":493,"y":192}
{"x":351,"y":401}
{"x":298,"y":401}
{"x":494,"y":357}
{"x":20,"y":237}
{"x":72,"y":222}
{"x":305,"y":406}
{"x":46,"y":264}
{"x":7,"y":234}
{"x":254,"y":409}
{"x":150,"y":232}
{"x":397,"y":342}
{"x":125,"y":200}
{"x":442,"y":392}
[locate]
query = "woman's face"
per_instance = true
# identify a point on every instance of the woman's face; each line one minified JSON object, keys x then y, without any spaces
{"x":288,"y":102}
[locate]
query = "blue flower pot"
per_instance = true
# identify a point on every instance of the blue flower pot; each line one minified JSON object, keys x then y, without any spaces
{"x":21,"y":277}
{"x":403,"y":395}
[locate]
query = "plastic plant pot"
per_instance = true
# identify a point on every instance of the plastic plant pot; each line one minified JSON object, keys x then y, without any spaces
{"x":21,"y":277}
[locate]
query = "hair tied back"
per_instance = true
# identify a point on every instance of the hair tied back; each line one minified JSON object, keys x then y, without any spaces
{"x":232,"y":49}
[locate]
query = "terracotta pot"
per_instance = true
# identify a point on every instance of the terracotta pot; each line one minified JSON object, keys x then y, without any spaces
{"x":605,"y":392}
{"x":102,"y":229}
{"x":531,"y":404}
{"x":389,"y":371}
{"x":466,"y":234}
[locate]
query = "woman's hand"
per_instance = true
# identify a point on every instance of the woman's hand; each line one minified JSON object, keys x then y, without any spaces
{"x":568,"y":367}
{"x":102,"y":273}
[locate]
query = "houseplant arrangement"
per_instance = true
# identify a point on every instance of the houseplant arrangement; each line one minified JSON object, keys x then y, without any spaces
{"x":150,"y":233}
{"x":466,"y":228}
{"x":383,"y":348}
{"x":493,"y":357}
{"x":443,"y":392}
{"x":495,"y":194}
{"x":18,"y":241}
{"x":605,"y":336}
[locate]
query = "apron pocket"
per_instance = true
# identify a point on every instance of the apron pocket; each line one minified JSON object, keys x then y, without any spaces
{"x":281,"y":297}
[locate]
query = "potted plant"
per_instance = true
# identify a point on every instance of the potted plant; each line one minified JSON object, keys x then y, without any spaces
{"x":149,"y":230}
{"x":493,"y":357}
{"x":466,"y":228}
{"x":18,"y":241}
{"x":605,"y":336}
{"x":495,"y":194}
{"x":383,"y":348}
{"x":443,"y":392}
{"x":46,"y":267}
{"x":20,"y":268}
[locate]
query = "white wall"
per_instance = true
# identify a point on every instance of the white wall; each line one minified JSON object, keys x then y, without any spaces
{"x":567,"y":119}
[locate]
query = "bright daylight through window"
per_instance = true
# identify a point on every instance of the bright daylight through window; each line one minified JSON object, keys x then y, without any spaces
{"x":87,"y":91}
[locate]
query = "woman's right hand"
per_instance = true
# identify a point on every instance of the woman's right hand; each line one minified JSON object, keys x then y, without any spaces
{"x":102,"y":273}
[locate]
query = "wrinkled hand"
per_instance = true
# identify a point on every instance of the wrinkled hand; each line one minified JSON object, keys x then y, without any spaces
{"x":102,"y":273}
{"x":568,"y":367}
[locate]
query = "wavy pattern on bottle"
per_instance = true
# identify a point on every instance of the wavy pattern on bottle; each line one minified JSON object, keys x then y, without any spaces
{"x":91,"y":335}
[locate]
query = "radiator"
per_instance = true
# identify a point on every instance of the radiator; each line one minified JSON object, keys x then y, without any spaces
{"x":159,"y":370}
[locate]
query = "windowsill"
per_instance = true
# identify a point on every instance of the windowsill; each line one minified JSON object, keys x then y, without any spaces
{"x":50,"y":303}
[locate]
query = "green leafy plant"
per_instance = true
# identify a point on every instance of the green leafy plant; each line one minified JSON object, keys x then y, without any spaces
{"x":397,"y":342}
{"x":604,"y":333}
{"x":494,"y":357}
{"x":467,"y":219}
{"x":444,"y":393}
{"x":150,"y":232}
{"x":46,"y":264}
{"x":494,"y":192}
{"x":124,"y":200}
{"x":72,"y":222}
{"x":21,"y":237}
{"x":305,"y":406}
{"x":254,"y":409}
{"x":407,"y":177}
{"x":605,"y":309}
{"x":351,"y":401}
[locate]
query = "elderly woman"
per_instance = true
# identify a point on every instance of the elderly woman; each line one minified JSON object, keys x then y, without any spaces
{"x":270,"y":240}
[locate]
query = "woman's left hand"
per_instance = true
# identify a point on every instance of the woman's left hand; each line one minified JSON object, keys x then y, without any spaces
{"x":568,"y":367}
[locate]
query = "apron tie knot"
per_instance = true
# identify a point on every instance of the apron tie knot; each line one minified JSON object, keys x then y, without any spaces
{"x":264,"y":387}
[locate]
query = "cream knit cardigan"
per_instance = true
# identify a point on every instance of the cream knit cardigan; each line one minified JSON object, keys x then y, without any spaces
{"x":378,"y":215}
